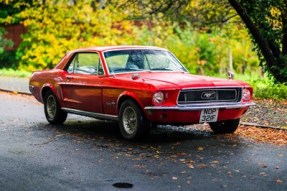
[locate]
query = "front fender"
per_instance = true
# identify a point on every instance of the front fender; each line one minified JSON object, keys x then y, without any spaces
{"x":127,"y":94}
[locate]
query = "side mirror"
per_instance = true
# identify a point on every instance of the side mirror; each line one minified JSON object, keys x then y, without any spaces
{"x":230,"y":75}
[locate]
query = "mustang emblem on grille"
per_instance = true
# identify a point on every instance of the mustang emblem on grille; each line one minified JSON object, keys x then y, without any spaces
{"x":208,"y":95}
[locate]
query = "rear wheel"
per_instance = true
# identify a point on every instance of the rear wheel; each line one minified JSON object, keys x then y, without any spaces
{"x":54,"y":114}
{"x":132,"y":122}
{"x":222,"y":127}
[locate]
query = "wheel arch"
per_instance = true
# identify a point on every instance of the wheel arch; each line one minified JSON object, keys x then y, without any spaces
{"x":45,"y":89}
{"x":129,"y":95}
{"x":132,"y":126}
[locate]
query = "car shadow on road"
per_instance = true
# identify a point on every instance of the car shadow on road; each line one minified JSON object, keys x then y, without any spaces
{"x":164,"y":141}
{"x":97,"y":129}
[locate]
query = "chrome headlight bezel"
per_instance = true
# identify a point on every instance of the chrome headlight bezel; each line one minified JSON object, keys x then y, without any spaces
{"x":246,"y":94}
{"x":158,"y":98}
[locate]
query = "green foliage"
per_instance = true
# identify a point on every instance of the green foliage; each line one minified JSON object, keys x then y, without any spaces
{"x":54,"y":29}
{"x":199,"y":13}
{"x":267,"y":89}
{"x":267,"y":22}
{"x":8,"y":60}
{"x":4,"y":42}
{"x":201,"y":52}
{"x":264,"y":87}
{"x":265,"y":19}
{"x":11,"y":8}
{"x":196,"y":50}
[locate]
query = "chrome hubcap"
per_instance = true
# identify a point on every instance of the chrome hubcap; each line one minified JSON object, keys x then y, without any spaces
{"x":129,"y":120}
{"x":51,"y":106}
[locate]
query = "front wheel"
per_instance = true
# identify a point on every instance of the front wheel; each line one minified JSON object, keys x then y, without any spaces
{"x":222,"y":127}
{"x":132,"y":122}
{"x":54,"y":114}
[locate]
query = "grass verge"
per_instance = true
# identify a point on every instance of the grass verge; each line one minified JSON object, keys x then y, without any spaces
{"x":14,"y":73}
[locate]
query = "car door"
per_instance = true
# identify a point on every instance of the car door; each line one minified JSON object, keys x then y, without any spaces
{"x":82,"y":87}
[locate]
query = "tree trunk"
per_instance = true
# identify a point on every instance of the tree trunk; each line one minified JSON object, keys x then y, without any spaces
{"x":230,"y":59}
{"x":268,"y":50}
{"x":284,"y":28}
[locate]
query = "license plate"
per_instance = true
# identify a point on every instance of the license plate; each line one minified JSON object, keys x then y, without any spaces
{"x":208,"y":115}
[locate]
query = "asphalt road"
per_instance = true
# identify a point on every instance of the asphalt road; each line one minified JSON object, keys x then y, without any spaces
{"x":86,"y":154}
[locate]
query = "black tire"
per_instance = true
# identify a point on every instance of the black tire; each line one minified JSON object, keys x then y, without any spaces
{"x":153,"y":125}
{"x":132,"y":122}
{"x":224,"y":127}
{"x":54,"y":114}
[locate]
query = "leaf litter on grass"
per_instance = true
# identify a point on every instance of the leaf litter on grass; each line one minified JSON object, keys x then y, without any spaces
{"x":268,"y":113}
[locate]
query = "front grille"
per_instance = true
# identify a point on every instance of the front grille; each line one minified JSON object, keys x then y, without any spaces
{"x":209,"y":95}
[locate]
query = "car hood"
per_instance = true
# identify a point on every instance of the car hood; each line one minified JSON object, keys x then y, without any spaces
{"x":177,"y":80}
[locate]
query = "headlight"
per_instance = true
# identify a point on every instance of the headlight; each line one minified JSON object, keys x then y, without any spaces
{"x":158,"y":98}
{"x":246,"y":95}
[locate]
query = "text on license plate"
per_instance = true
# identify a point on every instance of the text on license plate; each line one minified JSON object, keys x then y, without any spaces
{"x":208,"y":115}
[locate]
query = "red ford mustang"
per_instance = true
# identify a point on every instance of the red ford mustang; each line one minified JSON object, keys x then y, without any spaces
{"x":139,"y":87}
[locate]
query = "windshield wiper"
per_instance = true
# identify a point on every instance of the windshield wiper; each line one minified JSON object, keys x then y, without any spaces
{"x":163,"y":69}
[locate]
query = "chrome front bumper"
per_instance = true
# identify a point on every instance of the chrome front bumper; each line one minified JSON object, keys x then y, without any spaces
{"x":193,"y":107}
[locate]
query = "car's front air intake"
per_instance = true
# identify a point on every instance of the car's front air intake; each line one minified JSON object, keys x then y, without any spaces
{"x":190,"y":96}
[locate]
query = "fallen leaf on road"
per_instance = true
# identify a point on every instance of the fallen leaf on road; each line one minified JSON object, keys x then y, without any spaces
{"x":139,"y":166}
{"x":200,"y":148}
{"x":201,"y":165}
{"x":229,"y":173}
{"x":278,"y":181}
{"x":262,"y":165}
{"x":181,"y":154}
{"x":182,"y":160}
{"x":190,"y":165}
{"x":263,"y":174}
{"x":214,"y":162}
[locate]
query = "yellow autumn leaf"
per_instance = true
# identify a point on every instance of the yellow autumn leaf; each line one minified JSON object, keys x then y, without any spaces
{"x":200,"y":148}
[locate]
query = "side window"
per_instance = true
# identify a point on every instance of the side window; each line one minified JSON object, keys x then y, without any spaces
{"x":84,"y":63}
{"x":117,"y":62}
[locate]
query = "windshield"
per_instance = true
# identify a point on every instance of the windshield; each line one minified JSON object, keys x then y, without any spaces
{"x":120,"y":61}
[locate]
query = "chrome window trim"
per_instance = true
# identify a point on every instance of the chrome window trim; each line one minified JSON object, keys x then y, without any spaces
{"x":141,"y":48}
{"x":76,"y":53}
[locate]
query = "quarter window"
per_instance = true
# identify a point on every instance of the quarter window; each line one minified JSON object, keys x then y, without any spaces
{"x":85,"y":63}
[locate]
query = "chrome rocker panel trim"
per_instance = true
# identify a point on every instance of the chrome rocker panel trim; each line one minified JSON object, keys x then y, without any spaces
{"x":91,"y":114}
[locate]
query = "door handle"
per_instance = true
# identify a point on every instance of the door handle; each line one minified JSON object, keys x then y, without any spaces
{"x":69,"y":77}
